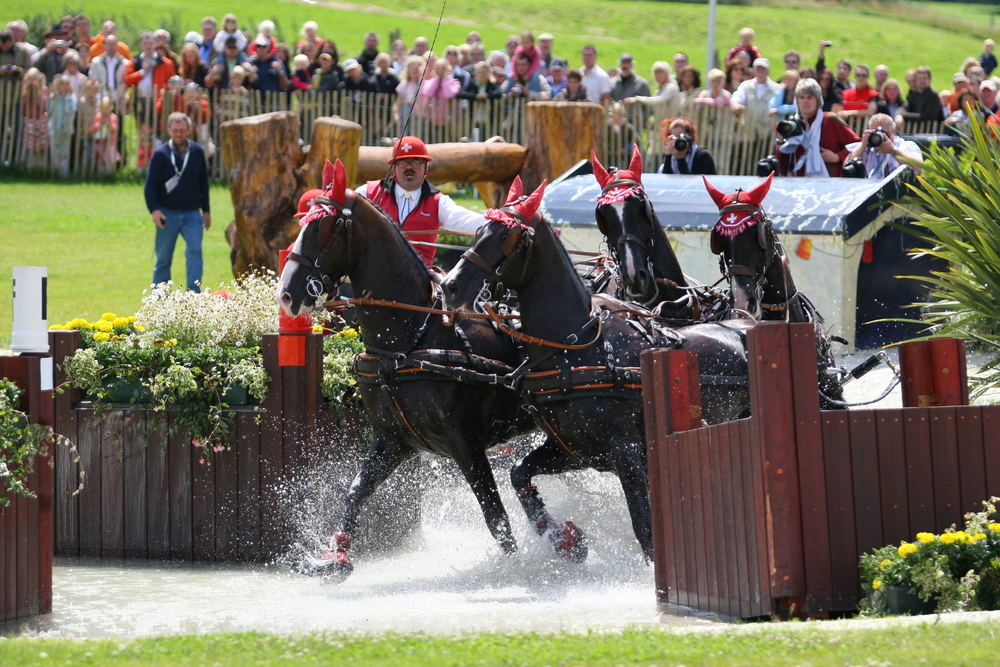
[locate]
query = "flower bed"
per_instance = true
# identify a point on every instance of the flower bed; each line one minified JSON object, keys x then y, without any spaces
{"x":952,"y":571}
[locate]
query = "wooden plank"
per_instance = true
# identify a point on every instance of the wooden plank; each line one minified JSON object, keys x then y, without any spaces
{"x":772,"y":405}
{"x":313,"y":376}
{"x":710,"y":503}
{"x":971,"y":458}
{"x":67,"y":506}
{"x":136,"y":497}
{"x":919,"y":470}
{"x":271,"y":455}
{"x":944,"y":459}
{"x":157,"y":487}
{"x":809,"y":451}
{"x":991,"y":448}
{"x":651,"y":363}
{"x":917,"y":379}
{"x":90,"y":497}
{"x":227,"y":497}
{"x":45,"y":415}
{"x":32,"y":561}
{"x":742,"y":525}
{"x":23,"y":565}
{"x":5,"y":543}
{"x":9,"y":548}
{"x":248,"y":477}
{"x":692,"y":518}
{"x":840,"y":508}
{"x":701,"y":518}
{"x":865,"y":475}
{"x":179,"y":467}
{"x":676,"y":518}
{"x":948,"y":369}
{"x":758,"y":566}
{"x":892,"y":476}
{"x":203,"y":503}
{"x":112,"y":486}
{"x":722,"y":503}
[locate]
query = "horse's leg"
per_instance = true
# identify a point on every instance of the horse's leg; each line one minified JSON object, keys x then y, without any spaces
{"x":549,"y":459}
{"x":630,"y":464}
{"x":384,"y":455}
{"x":476,"y":469}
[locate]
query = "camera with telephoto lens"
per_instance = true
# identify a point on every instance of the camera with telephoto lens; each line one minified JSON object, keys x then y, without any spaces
{"x":877,"y":136}
{"x":854,"y":168}
{"x":682,"y":142}
{"x":791,"y":127}
{"x":766,"y":165}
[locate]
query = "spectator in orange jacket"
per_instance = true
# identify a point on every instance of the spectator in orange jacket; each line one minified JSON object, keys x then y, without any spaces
{"x":97,"y":45}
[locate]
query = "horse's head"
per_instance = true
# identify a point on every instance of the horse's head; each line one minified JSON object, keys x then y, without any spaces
{"x":625,"y":216}
{"x":745,"y":242}
{"x":501,"y":255}
{"x":322,"y":253}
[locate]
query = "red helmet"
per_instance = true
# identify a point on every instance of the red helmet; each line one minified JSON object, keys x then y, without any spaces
{"x":306,"y":200}
{"x":409,"y":147}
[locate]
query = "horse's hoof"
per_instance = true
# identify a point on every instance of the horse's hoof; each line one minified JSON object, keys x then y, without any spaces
{"x":333,"y":565}
{"x":569,"y":542}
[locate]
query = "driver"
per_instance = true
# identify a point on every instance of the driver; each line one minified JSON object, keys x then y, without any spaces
{"x":413,"y":203}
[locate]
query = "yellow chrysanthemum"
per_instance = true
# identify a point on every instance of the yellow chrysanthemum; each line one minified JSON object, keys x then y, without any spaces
{"x":103,"y":325}
{"x":349,"y":332}
{"x":949,"y":538}
{"x":995,"y":527}
{"x":131,"y":319}
{"x":102,"y":336}
{"x":120,"y":322}
{"x":140,"y":327}
{"x":108,"y":317}
{"x":884,"y":564}
{"x":84,"y":325}
{"x":963,"y":536}
{"x":317,"y":328}
{"x":876,"y":583}
{"x":906,"y":548}
{"x":926,"y":538}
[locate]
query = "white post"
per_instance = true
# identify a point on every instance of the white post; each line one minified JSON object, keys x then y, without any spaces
{"x":710,"y":51}
{"x":30,"y":304}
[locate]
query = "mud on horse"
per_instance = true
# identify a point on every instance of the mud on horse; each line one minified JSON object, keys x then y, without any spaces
{"x":582,"y":379}
{"x":755,"y":264}
{"x":649,"y":271}
{"x":411,"y":409}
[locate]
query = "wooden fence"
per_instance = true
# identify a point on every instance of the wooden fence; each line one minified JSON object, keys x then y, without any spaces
{"x":81,"y":148}
{"x":147,"y":495}
{"x":768,"y":515}
{"x":26,"y":524}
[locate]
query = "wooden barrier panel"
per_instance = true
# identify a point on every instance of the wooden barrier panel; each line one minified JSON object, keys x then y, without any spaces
{"x":26,"y":528}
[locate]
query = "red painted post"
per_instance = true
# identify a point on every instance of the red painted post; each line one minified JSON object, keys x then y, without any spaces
{"x":292,"y":331}
{"x":915,"y":369}
{"x":951,"y":385}
{"x":685,"y":390}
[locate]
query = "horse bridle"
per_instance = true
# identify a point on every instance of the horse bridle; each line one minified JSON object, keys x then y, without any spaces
{"x":319,"y":281}
{"x":520,"y":237}
{"x":635,"y":190}
{"x":768,"y":242}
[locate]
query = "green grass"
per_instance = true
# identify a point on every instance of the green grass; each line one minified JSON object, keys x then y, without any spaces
{"x":97,"y":241}
{"x":869,"y":32}
{"x":925,"y":643}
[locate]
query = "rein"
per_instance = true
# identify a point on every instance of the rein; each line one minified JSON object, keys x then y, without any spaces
{"x":534,"y":340}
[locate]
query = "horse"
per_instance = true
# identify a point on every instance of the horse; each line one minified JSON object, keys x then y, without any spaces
{"x":650,"y":272}
{"x":410,"y":409}
{"x":755,"y":264}
{"x":581,"y":380}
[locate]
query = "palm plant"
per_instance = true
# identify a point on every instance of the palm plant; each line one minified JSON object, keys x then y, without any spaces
{"x":956,"y":209}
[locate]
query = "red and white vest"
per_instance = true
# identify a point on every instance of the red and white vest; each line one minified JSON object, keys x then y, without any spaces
{"x":423,"y":217}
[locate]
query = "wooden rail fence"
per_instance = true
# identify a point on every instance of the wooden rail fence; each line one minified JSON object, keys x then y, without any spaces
{"x":768,"y":515}
{"x":26,"y":524}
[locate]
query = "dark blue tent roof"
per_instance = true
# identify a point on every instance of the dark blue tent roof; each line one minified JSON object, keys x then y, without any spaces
{"x":802,"y":205}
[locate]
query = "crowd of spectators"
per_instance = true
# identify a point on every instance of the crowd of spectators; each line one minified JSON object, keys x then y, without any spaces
{"x":76,"y":81}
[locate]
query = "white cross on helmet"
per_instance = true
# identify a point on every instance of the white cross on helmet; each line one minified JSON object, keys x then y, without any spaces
{"x":406,"y":148}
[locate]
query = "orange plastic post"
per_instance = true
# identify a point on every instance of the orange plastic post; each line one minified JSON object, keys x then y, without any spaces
{"x":292,"y":331}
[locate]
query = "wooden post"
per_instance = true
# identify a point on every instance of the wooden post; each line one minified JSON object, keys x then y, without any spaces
{"x":915,"y":371}
{"x":333,"y":138}
{"x":459,"y":162}
{"x":262,"y":157}
{"x":558,"y":135}
{"x":934,"y":373}
{"x":772,"y":404}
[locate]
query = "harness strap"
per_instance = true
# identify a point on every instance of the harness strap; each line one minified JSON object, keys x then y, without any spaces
{"x":402,"y":416}
{"x":534,"y":340}
{"x":548,"y":427}
{"x":474,"y":257}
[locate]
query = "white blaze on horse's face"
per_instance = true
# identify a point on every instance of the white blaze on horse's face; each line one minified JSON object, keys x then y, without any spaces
{"x":281,"y":294}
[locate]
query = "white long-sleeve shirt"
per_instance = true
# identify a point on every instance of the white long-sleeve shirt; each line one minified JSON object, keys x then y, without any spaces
{"x":451,"y":216}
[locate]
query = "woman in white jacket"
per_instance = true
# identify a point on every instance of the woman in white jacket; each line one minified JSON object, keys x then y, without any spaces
{"x":665,"y":104}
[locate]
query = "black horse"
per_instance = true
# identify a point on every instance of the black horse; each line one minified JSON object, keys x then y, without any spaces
{"x":650,"y":272}
{"x":755,"y":264}
{"x":411,"y":410}
{"x":583,"y":381}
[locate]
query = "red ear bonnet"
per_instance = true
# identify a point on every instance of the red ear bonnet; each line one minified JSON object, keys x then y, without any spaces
{"x":635,"y":164}
{"x":338,"y":191}
{"x":756,"y":196}
{"x":327,"y":174}
{"x":721,"y":199}
{"x":515,"y":192}
{"x":529,"y":207}
{"x":600,"y":173}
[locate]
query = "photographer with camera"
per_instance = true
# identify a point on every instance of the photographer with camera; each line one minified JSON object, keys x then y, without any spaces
{"x":815,"y":143}
{"x":880,"y":150}
{"x":683,"y":155}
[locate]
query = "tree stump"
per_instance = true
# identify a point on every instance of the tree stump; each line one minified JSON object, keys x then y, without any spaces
{"x":333,"y":138}
{"x":559,"y":134}
{"x":262,"y":157}
{"x":452,"y":162}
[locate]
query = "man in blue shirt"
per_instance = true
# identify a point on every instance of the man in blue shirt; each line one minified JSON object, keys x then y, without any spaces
{"x":271,"y":74}
{"x":177,"y":199}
